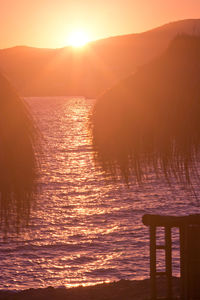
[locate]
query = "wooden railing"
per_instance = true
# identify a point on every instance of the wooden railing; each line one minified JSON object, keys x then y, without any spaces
{"x":189,"y":232}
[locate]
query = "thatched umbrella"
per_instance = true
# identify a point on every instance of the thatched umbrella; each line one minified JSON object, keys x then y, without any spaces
{"x":17,"y":159}
{"x":152,"y":118}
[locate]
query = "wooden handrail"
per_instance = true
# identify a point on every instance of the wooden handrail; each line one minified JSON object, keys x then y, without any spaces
{"x":189,"y":229}
{"x":172,"y":221}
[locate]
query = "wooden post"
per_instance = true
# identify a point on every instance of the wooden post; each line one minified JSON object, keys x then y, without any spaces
{"x":184,"y":262}
{"x":168,"y":260}
{"x":153,"y":262}
{"x":194,"y":261}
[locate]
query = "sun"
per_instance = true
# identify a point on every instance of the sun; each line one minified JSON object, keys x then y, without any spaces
{"x":78,"y":38}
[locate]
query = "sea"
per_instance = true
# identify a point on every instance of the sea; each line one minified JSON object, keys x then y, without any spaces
{"x":85,"y":229}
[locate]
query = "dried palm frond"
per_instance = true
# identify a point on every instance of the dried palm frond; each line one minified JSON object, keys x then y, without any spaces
{"x":18,"y":163}
{"x":151,"y":120}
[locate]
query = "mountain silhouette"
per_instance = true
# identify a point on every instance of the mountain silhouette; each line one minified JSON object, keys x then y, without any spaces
{"x":91,"y":70}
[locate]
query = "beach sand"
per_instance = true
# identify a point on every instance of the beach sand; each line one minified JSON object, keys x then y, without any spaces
{"x":121,"y":290}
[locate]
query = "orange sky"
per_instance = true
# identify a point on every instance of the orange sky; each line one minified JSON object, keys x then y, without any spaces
{"x":48,"y":23}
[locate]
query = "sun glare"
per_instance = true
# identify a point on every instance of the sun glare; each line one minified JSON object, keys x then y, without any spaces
{"x":78,"y":38}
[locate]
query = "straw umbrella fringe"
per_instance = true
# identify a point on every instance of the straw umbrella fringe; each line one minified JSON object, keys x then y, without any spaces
{"x":151,"y":120}
{"x":18,"y":163}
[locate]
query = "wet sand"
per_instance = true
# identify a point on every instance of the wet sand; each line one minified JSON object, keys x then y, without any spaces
{"x":121,"y":290}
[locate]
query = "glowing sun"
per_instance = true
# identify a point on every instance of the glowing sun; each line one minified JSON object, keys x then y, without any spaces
{"x":78,"y":38}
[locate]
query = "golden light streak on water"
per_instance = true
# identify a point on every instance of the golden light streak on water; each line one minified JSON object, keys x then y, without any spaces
{"x":86,"y":229}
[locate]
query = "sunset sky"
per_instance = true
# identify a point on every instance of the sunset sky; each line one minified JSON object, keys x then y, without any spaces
{"x":48,"y":23}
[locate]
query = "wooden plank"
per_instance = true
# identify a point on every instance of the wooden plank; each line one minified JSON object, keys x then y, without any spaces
{"x":162,"y":247}
{"x":160,"y":273}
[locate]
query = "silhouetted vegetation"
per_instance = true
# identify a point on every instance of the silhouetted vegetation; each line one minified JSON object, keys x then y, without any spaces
{"x":18,"y":161}
{"x":151,"y":120}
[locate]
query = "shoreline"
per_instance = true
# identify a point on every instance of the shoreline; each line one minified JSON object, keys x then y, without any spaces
{"x":119,"y":290}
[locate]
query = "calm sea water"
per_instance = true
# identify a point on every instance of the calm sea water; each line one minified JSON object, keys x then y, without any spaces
{"x":85,"y":229}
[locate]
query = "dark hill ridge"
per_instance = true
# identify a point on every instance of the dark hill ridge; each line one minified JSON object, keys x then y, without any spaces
{"x":88,"y":71}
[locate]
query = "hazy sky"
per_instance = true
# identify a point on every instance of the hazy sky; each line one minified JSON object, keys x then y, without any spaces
{"x":48,"y":23}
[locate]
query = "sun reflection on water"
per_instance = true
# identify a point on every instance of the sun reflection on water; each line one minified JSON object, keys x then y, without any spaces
{"x":86,"y":229}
